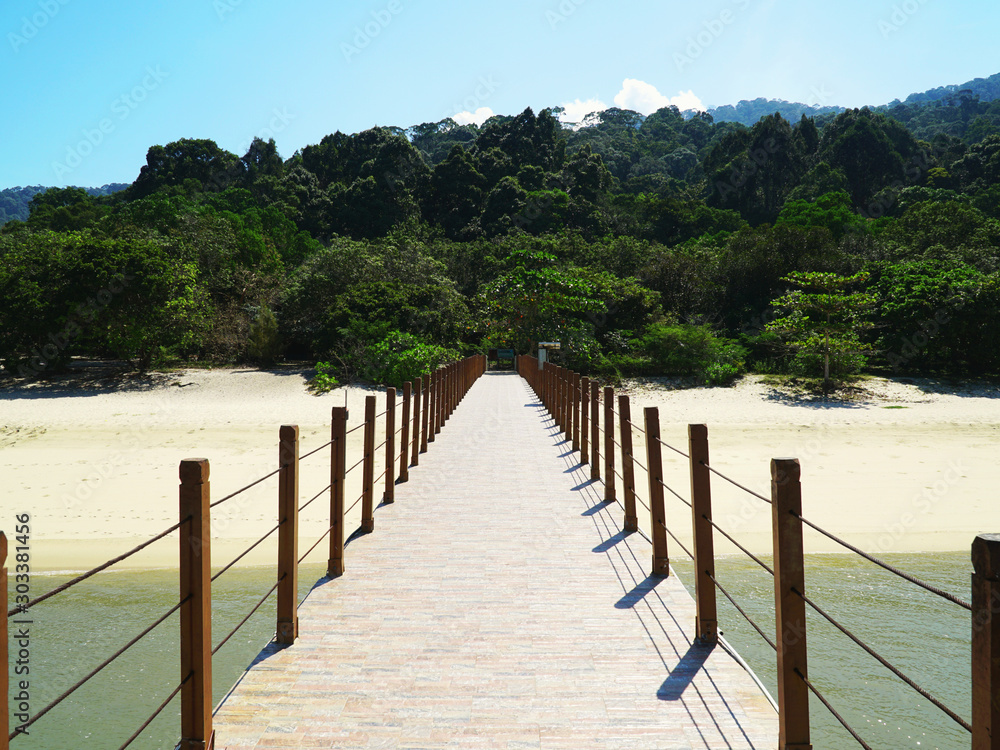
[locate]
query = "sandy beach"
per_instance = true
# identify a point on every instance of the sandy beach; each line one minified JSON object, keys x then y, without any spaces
{"x":906,"y":467}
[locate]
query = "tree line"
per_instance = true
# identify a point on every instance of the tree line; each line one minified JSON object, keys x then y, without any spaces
{"x":659,"y":244}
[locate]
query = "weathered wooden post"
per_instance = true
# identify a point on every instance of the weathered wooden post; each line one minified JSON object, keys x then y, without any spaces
{"x":657,"y":512}
{"x":389,"y":495}
{"x":288,"y":535}
{"x":425,"y":415}
{"x":404,"y":435}
{"x":986,"y":642}
{"x":706,"y":618}
{"x":584,"y":420}
{"x":609,"y":445}
{"x":574,"y":409}
{"x":338,"y":480}
{"x":628,"y":468}
{"x":557,"y":397}
{"x":432,"y":406}
{"x":595,"y":430}
{"x":196,"y":610}
{"x":368,"y":469}
{"x":789,"y":607}
{"x":4,"y":650}
{"x":415,"y":447}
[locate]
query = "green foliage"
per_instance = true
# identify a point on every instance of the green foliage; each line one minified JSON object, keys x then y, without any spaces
{"x":265,"y":342}
{"x":401,"y":357}
{"x":324,"y":380}
{"x":821,"y":323}
{"x":685,"y":349}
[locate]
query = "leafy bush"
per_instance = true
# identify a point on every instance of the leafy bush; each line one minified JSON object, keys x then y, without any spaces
{"x":265,"y":342}
{"x":684,"y":349}
{"x":324,"y":381}
{"x":402,"y":357}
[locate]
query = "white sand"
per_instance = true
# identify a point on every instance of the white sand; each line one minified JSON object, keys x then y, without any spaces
{"x":97,"y":468}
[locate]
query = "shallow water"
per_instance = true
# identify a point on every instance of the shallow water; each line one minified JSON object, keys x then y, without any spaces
{"x":928,"y":638}
{"x":924,"y":636}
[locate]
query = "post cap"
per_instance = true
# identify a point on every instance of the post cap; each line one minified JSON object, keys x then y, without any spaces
{"x":785,"y":470}
{"x":986,"y":555}
{"x":194,"y":471}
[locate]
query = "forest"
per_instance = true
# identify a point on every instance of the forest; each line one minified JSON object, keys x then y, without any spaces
{"x":866,"y":240}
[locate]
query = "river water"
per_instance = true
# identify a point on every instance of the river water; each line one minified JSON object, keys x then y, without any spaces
{"x":926,"y":637}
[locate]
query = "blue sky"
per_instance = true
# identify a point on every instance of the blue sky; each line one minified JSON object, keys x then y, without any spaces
{"x":90,"y":86}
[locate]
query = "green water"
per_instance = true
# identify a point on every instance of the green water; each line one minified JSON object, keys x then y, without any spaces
{"x":74,"y":632}
{"x":926,"y":637}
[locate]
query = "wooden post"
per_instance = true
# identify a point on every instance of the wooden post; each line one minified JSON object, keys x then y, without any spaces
{"x":404,"y":435}
{"x":415,"y":447}
{"x":425,"y":415}
{"x":574,"y":409}
{"x":338,"y":480}
{"x":434,"y":407}
{"x":706,"y":618}
{"x":789,"y":607}
{"x":389,"y":496}
{"x":657,"y":513}
{"x":196,"y":611}
{"x":584,"y":420}
{"x":986,"y":642}
{"x":628,"y":469}
{"x":609,"y":445}
{"x":288,"y":535}
{"x":4,"y":650}
{"x":368,"y":469}
{"x":564,"y":422}
{"x":595,"y":430}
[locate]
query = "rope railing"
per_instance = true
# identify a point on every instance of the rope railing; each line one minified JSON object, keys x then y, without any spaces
{"x":157,"y":712}
{"x":675,"y":450}
{"x":240,"y":491}
{"x":316,"y":450}
{"x":444,"y":388}
{"x":94,"y":672}
{"x":246,"y":619}
{"x":891,"y":568}
{"x":678,"y":541}
{"x":739,"y":546}
{"x":249,"y":549}
{"x":315,"y":497}
{"x":883,"y":661}
{"x":743,"y":612}
{"x":673,"y":492}
{"x":832,"y":710}
{"x":20,"y":609}
{"x":733,"y":482}
{"x":585,"y":413}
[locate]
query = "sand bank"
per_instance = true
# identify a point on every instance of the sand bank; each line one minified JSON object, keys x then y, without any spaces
{"x":909,"y":467}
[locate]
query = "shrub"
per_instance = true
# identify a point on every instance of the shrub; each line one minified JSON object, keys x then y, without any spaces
{"x":402,"y":357}
{"x":264,"y":345}
{"x":324,"y":381}
{"x":684,"y":349}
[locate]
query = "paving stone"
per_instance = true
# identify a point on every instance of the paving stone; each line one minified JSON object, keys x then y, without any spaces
{"x":497,"y":605}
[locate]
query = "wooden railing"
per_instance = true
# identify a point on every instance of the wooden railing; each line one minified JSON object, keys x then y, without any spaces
{"x":424,"y":407}
{"x":574,"y":403}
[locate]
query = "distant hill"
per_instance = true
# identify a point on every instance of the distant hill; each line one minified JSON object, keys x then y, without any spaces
{"x":987,"y":89}
{"x":14,"y":201}
{"x":749,"y":112}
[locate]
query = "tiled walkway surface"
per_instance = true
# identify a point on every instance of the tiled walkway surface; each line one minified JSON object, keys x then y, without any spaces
{"x":496,"y":605}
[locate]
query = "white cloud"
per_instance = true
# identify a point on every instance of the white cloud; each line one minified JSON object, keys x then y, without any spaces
{"x":480,"y":116}
{"x":645,"y":98}
{"x":575,"y":111}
